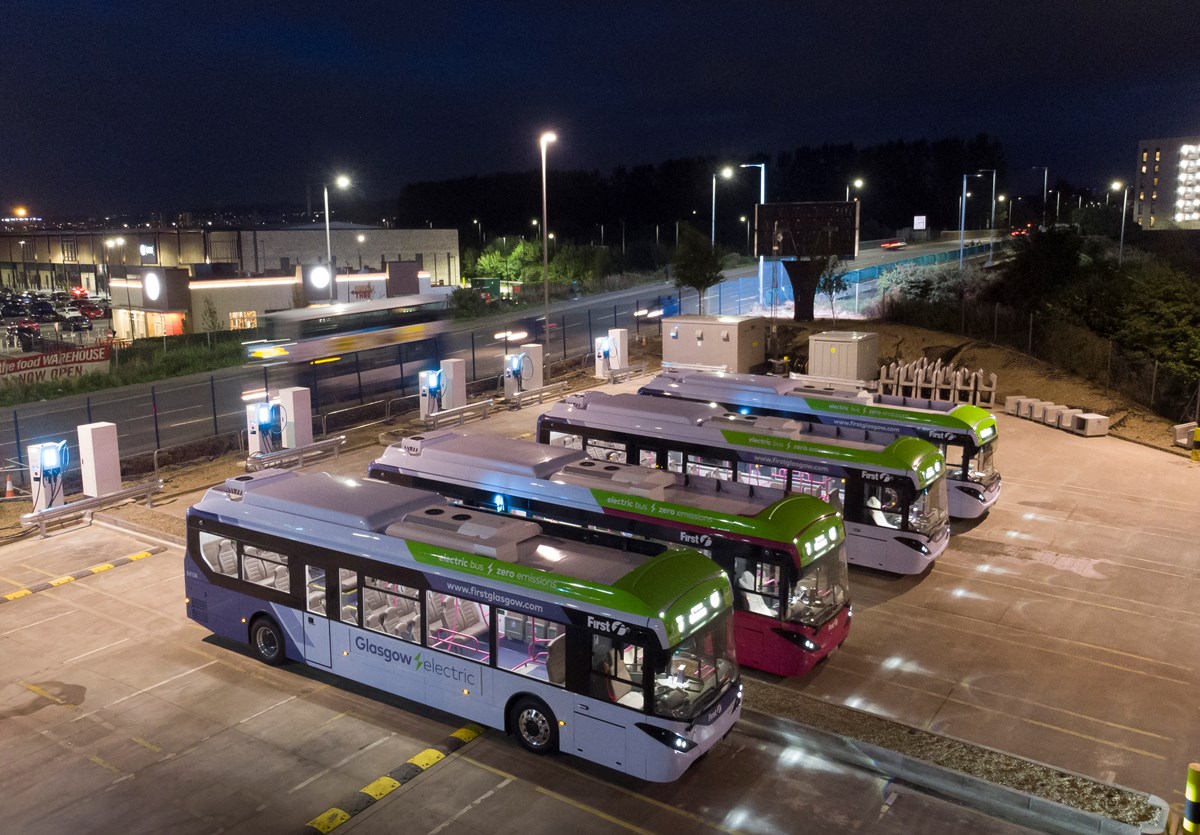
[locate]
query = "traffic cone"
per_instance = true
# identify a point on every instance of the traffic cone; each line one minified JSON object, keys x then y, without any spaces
{"x":9,"y":492}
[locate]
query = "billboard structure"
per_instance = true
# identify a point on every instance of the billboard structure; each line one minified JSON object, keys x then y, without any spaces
{"x":803,"y":236}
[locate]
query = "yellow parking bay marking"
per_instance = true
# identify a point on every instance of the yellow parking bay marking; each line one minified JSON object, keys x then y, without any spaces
{"x":78,"y":575}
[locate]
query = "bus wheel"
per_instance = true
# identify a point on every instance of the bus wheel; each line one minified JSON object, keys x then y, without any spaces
{"x":266,"y":641}
{"x":535,"y":726}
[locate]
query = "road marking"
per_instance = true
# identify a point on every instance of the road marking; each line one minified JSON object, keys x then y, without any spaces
{"x":340,"y":763}
{"x":186,"y":422}
{"x":426,"y":758}
{"x":108,"y":765}
{"x":477,"y":801}
{"x":267,"y":709}
{"x":667,"y":807}
{"x":147,"y":689}
{"x":97,"y":649}
{"x":39,"y":622}
{"x":1097,"y":739}
{"x":146,"y":744}
{"x":594,"y":811}
{"x":45,"y":694}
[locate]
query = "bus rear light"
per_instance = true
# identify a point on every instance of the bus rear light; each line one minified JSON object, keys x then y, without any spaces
{"x":669,"y":738}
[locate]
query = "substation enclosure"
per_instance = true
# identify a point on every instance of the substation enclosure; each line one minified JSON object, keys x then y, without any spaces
{"x":734,"y":343}
{"x":844,"y":355}
{"x":99,"y":458}
{"x":297,"y":405}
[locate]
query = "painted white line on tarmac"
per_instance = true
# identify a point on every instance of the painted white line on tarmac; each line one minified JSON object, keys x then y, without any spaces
{"x":37,"y":622}
{"x":97,"y":649}
{"x":470,"y":806}
{"x":267,"y":709}
{"x":340,"y":763}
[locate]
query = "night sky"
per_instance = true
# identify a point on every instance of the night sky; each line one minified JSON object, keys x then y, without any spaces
{"x":125,"y":106}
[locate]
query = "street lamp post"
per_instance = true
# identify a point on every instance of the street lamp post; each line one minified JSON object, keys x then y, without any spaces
{"x":727,"y":173}
{"x":1045,"y":189}
{"x":543,"y":142}
{"x":962,"y":218}
{"x":361,"y":239}
{"x":1118,"y":186}
{"x":480,"y":225}
{"x":762,"y":199}
{"x":992,"y":218}
{"x":746,"y":221}
{"x":857,"y":185}
{"x":342,"y":182}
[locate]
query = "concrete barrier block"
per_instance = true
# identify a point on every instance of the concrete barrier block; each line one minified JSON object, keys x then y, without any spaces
{"x":1066,"y":419}
{"x":1012,"y":403}
{"x":1037,"y":411}
{"x":1052,"y":414}
{"x":1028,"y":406}
{"x":1184,"y":434}
{"x":1089,"y":425}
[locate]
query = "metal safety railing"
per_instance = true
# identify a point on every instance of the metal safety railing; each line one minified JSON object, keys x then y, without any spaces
{"x":264,"y":460}
{"x":87,"y":506}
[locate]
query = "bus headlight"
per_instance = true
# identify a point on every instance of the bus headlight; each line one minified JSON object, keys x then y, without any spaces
{"x":799,"y":639}
{"x":971,"y":492}
{"x":668,"y":738}
{"x":914,"y":544}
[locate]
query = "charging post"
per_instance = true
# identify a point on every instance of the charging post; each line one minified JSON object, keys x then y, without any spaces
{"x":47,"y":464}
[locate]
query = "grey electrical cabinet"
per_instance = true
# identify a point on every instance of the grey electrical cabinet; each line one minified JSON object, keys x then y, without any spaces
{"x":728,"y":343}
{"x":844,"y":355}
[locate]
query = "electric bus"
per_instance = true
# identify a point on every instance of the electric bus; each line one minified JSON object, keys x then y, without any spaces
{"x":892,"y":496}
{"x":785,"y":556}
{"x":321,"y":331}
{"x":622,"y":659}
{"x":965,"y":434}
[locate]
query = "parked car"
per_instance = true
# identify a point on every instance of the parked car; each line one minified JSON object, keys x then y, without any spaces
{"x":26,"y":333}
{"x":42,"y":311}
{"x":91,"y":311}
{"x":76,"y":322}
{"x":12,"y":309}
{"x":893,"y":245}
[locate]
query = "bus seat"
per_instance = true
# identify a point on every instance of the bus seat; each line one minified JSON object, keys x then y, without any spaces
{"x":877,"y":516}
{"x":227,"y":558}
{"x":622,"y":691}
{"x":754,"y":600}
{"x":556,"y":660}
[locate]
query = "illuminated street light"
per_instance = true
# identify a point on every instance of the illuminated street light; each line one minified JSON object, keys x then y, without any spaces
{"x":762,"y":199}
{"x":342,"y":182}
{"x":727,"y":173}
{"x":1118,"y":186}
{"x":543,"y":142}
{"x":20,"y":211}
{"x":858,"y":184}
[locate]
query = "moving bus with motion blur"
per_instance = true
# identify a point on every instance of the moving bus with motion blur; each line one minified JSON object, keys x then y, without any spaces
{"x":784,"y":555}
{"x":892,"y":495}
{"x":966,"y":435}
{"x":616,"y":657}
{"x":319,"y":332}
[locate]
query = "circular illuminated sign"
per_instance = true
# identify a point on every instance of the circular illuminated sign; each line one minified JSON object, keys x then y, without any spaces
{"x":152,"y":286}
{"x":319,"y":277}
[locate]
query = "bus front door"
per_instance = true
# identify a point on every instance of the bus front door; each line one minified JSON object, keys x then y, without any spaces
{"x":316,"y":620}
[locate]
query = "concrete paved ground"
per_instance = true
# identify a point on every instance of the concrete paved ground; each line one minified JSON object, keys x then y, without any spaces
{"x":1057,"y":628}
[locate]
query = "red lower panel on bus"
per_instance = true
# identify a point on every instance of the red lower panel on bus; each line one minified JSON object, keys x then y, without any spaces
{"x":786,"y":649}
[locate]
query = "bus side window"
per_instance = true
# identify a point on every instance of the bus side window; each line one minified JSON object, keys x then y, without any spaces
{"x":219,"y":553}
{"x":648,"y":457}
{"x":617,"y":672}
{"x":348,"y":595}
{"x":315,"y":588}
{"x":716,"y":468}
{"x":882,"y":506}
{"x":757,"y":585}
{"x":392,"y":608}
{"x":566,"y":440}
{"x":607,"y":450}
{"x":531,"y":646}
{"x":459,"y":626}
{"x":266,"y":568}
{"x":674,"y":461}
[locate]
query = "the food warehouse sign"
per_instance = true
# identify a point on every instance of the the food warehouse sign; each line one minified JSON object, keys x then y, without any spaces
{"x":42,"y":368}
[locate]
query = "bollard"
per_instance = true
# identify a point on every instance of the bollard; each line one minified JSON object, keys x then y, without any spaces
{"x":1191,"y":806}
{"x":1196,"y":444}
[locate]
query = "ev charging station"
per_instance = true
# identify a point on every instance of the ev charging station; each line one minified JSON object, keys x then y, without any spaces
{"x":523,"y":370}
{"x":99,"y":458}
{"x":443,"y":388}
{"x":47,"y":465}
{"x":612,"y":352}
{"x":264,"y":427}
{"x":297,"y":432}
